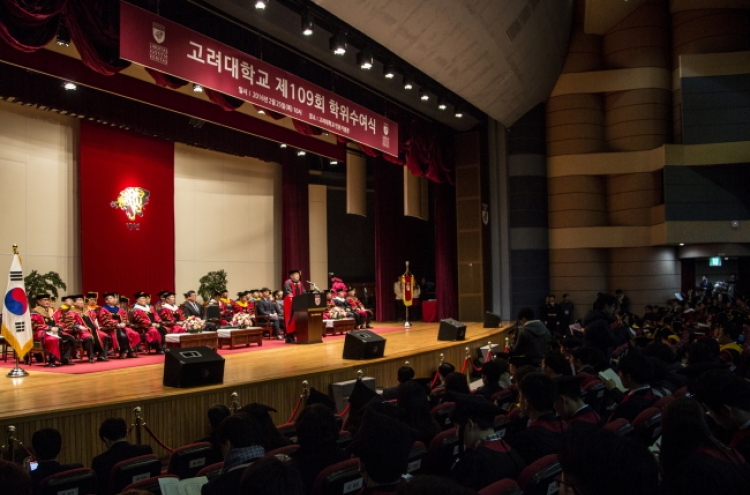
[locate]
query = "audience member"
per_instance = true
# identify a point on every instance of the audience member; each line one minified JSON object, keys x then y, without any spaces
{"x":13,"y":479}
{"x":240,"y":436}
{"x":271,"y":438}
{"x":587,"y":360}
{"x":570,"y":404}
{"x":555,"y":364}
{"x":486,"y":457}
{"x":636,"y":373}
{"x":46,"y":444}
{"x":432,"y":485}
{"x":317,"y":432}
{"x":444,"y":370}
{"x":216,"y":414}
{"x":456,"y":382}
{"x":113,"y":432}
{"x":693,"y":460}
{"x":597,"y":330}
{"x":491,"y":373}
{"x":413,"y":400}
{"x":271,"y":476}
{"x":404,"y":374}
{"x":532,"y":339}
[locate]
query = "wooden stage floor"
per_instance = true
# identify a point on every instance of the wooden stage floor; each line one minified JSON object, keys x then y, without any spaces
{"x":76,"y":404}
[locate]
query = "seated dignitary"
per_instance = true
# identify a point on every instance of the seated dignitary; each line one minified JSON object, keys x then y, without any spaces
{"x":46,"y":444}
{"x":191,"y":307}
{"x":340,"y":301}
{"x":148,"y":320}
{"x":172,"y":317}
{"x":486,"y":457}
{"x":266,"y":307}
{"x":365,"y":315}
{"x":95,"y":342}
{"x":114,"y":320}
{"x":113,"y":432}
{"x":58,"y":345}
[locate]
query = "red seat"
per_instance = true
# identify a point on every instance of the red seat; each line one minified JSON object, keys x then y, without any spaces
{"x":442,"y":414}
{"x":416,"y":458}
{"x":289,"y":430}
{"x":514,"y":414}
{"x":680,"y":392}
{"x":505,"y":486}
{"x":133,"y":470}
{"x":185,"y":462}
{"x":504,"y":398}
{"x":288,"y":450}
{"x":81,"y":481}
{"x":659,"y":404}
{"x":149,"y":484}
{"x":211,"y":471}
{"x":619,"y":426}
{"x":340,"y":478}
{"x":587,"y":378}
{"x":442,"y":452}
{"x":345,"y":438}
{"x":593,"y":394}
{"x":540,"y":477}
{"x":647,"y":425}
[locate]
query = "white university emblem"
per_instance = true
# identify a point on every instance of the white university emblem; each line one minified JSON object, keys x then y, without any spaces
{"x":158,"y":31}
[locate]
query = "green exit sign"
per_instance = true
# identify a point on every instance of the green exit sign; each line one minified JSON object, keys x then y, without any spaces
{"x":714,"y":261}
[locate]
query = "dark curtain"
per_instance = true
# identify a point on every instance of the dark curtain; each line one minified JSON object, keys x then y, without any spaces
{"x":446,"y":281}
{"x":165,"y":80}
{"x":295,"y":223}
{"x":28,"y":25}
{"x":95,"y":31}
{"x":226,"y":102}
{"x":389,"y":235}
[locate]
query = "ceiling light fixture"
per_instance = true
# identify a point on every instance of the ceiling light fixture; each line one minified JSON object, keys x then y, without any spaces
{"x":337,"y":44}
{"x":423,"y":95}
{"x":441,"y":103}
{"x":261,"y":4}
{"x":70,"y":86}
{"x":365,"y":58}
{"x":63,"y":35}
{"x":388,"y":71}
{"x":282,"y":145}
{"x":334,"y":162}
{"x":261,"y":111}
{"x":308,"y":24}
{"x":459,"y":114}
{"x":301,"y":153}
{"x":408,"y":82}
{"x":197,"y":88}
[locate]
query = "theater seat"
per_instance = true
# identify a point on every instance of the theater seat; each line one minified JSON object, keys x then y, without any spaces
{"x":681,"y":392}
{"x":288,"y":450}
{"x":506,"y":486}
{"x":150,"y":485}
{"x":132,"y":471}
{"x":442,"y":414}
{"x":504,"y":398}
{"x":647,"y":426}
{"x":659,"y":404}
{"x":442,"y":452}
{"x":81,"y":481}
{"x":342,"y":478}
{"x":211,"y":471}
{"x":186,"y":461}
{"x":620,"y":426}
{"x":345,"y":438}
{"x":416,"y":458}
{"x":289,"y":430}
{"x":540,"y":477}
{"x":593,"y":395}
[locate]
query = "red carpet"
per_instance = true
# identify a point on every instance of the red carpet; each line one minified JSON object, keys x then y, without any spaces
{"x":82,"y":367}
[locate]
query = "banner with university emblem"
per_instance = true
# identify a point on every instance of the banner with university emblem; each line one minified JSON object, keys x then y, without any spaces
{"x":407,"y":282}
{"x":16,"y":328}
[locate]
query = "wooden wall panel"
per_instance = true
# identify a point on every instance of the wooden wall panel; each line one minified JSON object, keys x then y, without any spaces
{"x":579,"y":272}
{"x":639,"y":119}
{"x":575,"y":124}
{"x":709,"y":31}
{"x":641,"y":39}
{"x":631,"y":197}
{"x":577,"y":201}
{"x":647,"y":275}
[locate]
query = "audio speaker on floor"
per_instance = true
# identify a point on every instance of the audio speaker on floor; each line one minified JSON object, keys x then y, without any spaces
{"x":451,"y":330}
{"x":363,"y":344}
{"x":491,"y":320}
{"x":192,"y":367}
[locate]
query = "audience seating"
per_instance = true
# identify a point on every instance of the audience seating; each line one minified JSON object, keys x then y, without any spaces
{"x":289,"y":430}
{"x":150,"y":485}
{"x":416,"y":458}
{"x":132,"y":471}
{"x":288,"y":450}
{"x":587,"y":378}
{"x":341,"y":478}
{"x":540,"y":477}
{"x":211,"y":471}
{"x":81,"y":481}
{"x":680,"y":392}
{"x":620,"y":426}
{"x":186,"y":461}
{"x":345,"y":438}
{"x":659,"y":404}
{"x":594,"y":394}
{"x":442,"y":414}
{"x":647,"y":425}
{"x":501,"y":424}
{"x":503,"y":399}
{"x":442,"y":452}
{"x":505,"y":486}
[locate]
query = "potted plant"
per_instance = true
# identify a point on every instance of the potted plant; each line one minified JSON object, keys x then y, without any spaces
{"x":38,"y":283}
{"x":212,"y":283}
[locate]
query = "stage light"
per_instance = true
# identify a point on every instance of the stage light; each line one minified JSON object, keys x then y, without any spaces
{"x":459,"y":114}
{"x":337,"y":43}
{"x":301,"y":153}
{"x":70,"y":86}
{"x":197,"y":88}
{"x":423,"y":95}
{"x":282,"y":145}
{"x":261,"y":4}
{"x":441,"y":104}
{"x":408,"y":82}
{"x":63,"y":35}
{"x":308,"y":24}
{"x":388,"y":71}
{"x":365,"y":59}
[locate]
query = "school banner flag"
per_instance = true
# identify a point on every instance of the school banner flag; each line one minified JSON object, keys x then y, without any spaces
{"x":407,"y":282}
{"x":16,"y":320}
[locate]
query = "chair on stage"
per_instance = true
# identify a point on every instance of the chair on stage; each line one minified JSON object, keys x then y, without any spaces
{"x":133,"y":470}
{"x":507,"y":486}
{"x":442,"y":452}
{"x":340,"y":478}
{"x":82,"y":481}
{"x":540,"y":477}
{"x":150,"y":485}
{"x":186,"y":461}
{"x":211,"y":471}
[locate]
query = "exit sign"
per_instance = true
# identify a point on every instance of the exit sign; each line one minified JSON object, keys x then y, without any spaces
{"x":714,"y":261}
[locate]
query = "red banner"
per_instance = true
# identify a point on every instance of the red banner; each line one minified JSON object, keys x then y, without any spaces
{"x":152,"y":41}
{"x":407,"y":281}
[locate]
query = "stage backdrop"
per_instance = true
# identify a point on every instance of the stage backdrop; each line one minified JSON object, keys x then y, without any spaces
{"x":127,"y":211}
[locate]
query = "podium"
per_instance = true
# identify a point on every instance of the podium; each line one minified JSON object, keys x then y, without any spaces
{"x":307,"y":312}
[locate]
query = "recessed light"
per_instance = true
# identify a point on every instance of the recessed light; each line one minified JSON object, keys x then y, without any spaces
{"x":682,"y":244}
{"x":301,"y":153}
{"x":308,"y":24}
{"x":282,"y":145}
{"x":388,"y":71}
{"x":423,"y":95}
{"x":261,"y":4}
{"x":337,"y":43}
{"x":408,"y":82}
{"x":70,"y":86}
{"x":197,"y":88}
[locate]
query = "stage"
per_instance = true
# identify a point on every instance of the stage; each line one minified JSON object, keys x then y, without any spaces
{"x":76,"y":404}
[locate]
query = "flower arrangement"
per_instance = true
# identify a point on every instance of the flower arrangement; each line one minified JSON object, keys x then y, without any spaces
{"x":242,"y":320}
{"x":337,"y":313}
{"x":193,"y":324}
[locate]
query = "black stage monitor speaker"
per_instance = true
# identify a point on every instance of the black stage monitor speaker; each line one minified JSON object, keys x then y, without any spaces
{"x":451,"y":330}
{"x":491,"y":320}
{"x":363,"y":344}
{"x":192,"y":367}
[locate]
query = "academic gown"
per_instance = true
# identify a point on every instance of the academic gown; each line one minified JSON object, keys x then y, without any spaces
{"x":291,"y":289}
{"x":706,"y":474}
{"x":109,"y":319}
{"x":542,"y":437}
{"x":485,"y":464}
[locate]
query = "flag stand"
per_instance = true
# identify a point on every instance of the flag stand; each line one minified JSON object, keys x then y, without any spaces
{"x":407,"y":323}
{"x":17,"y":372}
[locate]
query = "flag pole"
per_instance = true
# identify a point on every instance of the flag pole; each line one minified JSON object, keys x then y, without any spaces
{"x":407,"y":323}
{"x":16,"y":372}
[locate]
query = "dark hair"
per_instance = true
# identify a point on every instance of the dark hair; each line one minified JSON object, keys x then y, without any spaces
{"x":660,"y":350}
{"x":702,"y":351}
{"x":113,"y":429}
{"x":604,"y":300}
{"x":635,"y":364}
{"x":522,"y":372}
{"x":590,"y":356}
{"x":732,"y":330}
{"x":47,"y":443}
{"x":405,"y":373}
{"x":718,"y":387}
{"x":413,"y":399}
{"x":539,"y":390}
{"x":241,"y":430}
{"x":316,"y":426}
{"x":456,"y":382}
{"x":446,"y":368}
{"x":565,"y":295}
{"x":191,"y":292}
{"x":526,"y":314}
{"x":270,"y":436}
{"x":598,"y":461}
{"x":432,"y":485}
{"x":271,"y":476}
{"x":14,"y":480}
{"x":216,"y":414}
{"x":618,"y":291}
{"x":492,"y":371}
{"x":570,"y":343}
{"x":555,"y":361}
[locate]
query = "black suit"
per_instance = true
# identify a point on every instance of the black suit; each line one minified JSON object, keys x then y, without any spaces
{"x":48,"y":468}
{"x":103,"y":463}
{"x":266,"y":307}
{"x":192,"y":309}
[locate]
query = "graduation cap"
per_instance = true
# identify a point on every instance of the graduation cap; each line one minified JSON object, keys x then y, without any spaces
{"x":41,"y":296}
{"x":383,"y":445}
{"x":64,"y":298}
{"x":74,"y":297}
{"x":242,"y":293}
{"x":92,"y":295}
{"x":163,"y":294}
{"x":350,"y":288}
{"x":124,"y":299}
{"x":569,"y":386}
{"x":258,"y":411}
{"x":110,"y":294}
{"x":361,"y":395}
{"x":167,"y":294}
{"x":292,"y":272}
{"x":138,"y":295}
{"x":475,"y":407}
{"x":317,"y":397}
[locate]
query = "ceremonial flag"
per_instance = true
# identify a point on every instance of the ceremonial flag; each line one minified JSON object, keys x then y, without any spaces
{"x":407,"y":282}
{"x":16,"y":320}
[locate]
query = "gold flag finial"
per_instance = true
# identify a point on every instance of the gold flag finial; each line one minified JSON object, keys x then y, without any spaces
{"x":15,"y":248}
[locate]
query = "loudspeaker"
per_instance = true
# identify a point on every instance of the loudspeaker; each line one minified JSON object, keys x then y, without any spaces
{"x":451,"y":330}
{"x":491,"y":320}
{"x":363,"y":344}
{"x":192,"y":367}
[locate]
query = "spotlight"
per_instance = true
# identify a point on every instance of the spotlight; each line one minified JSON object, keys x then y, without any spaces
{"x":441,"y":104}
{"x":365,"y":59}
{"x":334,"y":162}
{"x":423,"y":95}
{"x":282,"y":145}
{"x":197,"y":88}
{"x":337,"y":43}
{"x":261,"y":4}
{"x":70,"y":86}
{"x":308,"y":24}
{"x":388,"y":71}
{"x":301,"y":153}
{"x":459,"y":114}
{"x":408,"y":82}
{"x":63,"y":35}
